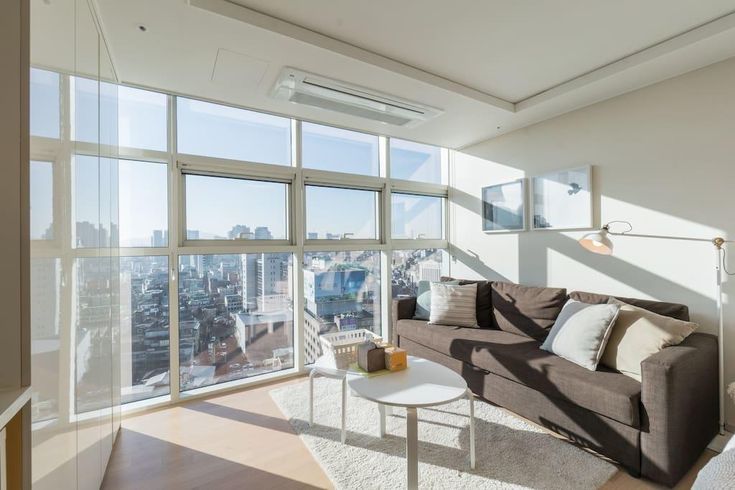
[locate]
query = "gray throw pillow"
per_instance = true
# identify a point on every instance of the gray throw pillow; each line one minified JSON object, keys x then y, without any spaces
{"x":581,"y":332}
{"x":453,"y":305}
{"x":423,"y":299}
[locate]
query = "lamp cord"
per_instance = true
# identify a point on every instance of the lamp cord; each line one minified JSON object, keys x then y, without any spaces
{"x":724,"y":262}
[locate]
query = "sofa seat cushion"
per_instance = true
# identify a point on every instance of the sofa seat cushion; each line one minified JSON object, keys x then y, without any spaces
{"x":520,"y":359}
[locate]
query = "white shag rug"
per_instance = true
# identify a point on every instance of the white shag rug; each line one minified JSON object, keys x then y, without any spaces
{"x":511,"y":453}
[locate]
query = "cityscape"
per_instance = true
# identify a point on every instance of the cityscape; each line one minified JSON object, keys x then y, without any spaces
{"x":236,"y":313}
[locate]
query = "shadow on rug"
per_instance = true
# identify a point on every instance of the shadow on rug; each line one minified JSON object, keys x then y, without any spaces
{"x":511,"y":453}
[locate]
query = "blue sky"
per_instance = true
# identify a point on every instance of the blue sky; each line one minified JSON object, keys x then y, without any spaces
{"x":215,"y":205}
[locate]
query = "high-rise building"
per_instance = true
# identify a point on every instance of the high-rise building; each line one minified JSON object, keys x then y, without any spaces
{"x":159,"y":238}
{"x":263,"y":233}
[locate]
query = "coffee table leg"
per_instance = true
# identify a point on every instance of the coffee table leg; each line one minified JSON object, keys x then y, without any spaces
{"x":381,"y":416}
{"x":412,"y":449}
{"x":344,"y":409}
{"x":472,"y":429}
{"x":311,"y":397}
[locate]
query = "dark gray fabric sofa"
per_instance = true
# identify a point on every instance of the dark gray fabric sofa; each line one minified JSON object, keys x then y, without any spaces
{"x":656,"y":428}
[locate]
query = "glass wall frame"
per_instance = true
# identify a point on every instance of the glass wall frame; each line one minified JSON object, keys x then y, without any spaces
{"x":297,"y":243}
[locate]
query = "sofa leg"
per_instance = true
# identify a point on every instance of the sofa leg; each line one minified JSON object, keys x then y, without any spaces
{"x":634,"y":473}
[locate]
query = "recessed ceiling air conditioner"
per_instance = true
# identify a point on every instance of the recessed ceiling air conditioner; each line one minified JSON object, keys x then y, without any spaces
{"x":313,"y":90}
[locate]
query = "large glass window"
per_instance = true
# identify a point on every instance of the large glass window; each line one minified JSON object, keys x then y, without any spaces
{"x":143,"y":204}
{"x":414,"y":270}
{"x":334,"y":213}
{"x":42,"y":200}
{"x":339,"y":150}
{"x":46,"y":341}
{"x":226,"y":132}
{"x":45,"y":103}
{"x":223,"y":208}
{"x":416,"y":162}
{"x":91,"y":99}
{"x":144,"y":327}
{"x":91,"y":208}
{"x":141,"y":119}
{"x":415,"y":216}
{"x":235,"y":317}
{"x":341,"y":292}
{"x":93,"y":315}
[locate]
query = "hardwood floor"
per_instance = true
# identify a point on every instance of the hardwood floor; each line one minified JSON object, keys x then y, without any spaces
{"x":235,"y":441}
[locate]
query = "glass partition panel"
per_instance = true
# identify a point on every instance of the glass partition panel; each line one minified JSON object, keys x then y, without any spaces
{"x":235,"y":316}
{"x":416,"y":216}
{"x":416,"y":162}
{"x":339,"y":150}
{"x":142,"y":119}
{"x":144,"y":332}
{"x":143,"y":204}
{"x":219,"y":131}
{"x":341,"y":292}
{"x":45,"y":103}
{"x":413,"y":270}
{"x":42,"y":200}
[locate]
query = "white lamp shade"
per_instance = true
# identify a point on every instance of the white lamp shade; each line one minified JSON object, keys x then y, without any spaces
{"x":597,"y":242}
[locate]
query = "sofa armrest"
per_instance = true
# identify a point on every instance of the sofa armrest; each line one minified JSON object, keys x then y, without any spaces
{"x":680,"y":398}
{"x":402,"y":309}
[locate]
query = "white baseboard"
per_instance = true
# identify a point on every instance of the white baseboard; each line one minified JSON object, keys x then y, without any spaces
{"x":720,"y":440}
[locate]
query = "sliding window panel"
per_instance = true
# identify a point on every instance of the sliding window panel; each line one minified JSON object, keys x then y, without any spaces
{"x":219,"y":131}
{"x":144,"y":332}
{"x":335,"y":213}
{"x":235,"y":317}
{"x":227,"y":208}
{"x":45,"y":103}
{"x":142,"y":119}
{"x":143,"y":204}
{"x":414,"y":216}
{"x":413,"y":270}
{"x":341,"y":292}
{"x":339,"y":150}
{"x":417,"y":162}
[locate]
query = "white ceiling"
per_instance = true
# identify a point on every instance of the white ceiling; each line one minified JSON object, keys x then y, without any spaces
{"x":492,"y":66}
{"x":509,"y":48}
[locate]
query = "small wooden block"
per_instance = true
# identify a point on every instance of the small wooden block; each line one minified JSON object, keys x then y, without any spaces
{"x":396,"y":358}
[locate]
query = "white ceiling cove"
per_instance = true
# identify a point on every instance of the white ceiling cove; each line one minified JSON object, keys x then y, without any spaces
{"x":492,"y":66}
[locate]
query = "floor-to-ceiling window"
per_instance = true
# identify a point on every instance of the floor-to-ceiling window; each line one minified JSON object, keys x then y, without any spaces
{"x":243,"y":235}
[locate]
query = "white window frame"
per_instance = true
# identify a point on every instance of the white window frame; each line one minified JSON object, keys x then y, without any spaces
{"x":295,"y":176}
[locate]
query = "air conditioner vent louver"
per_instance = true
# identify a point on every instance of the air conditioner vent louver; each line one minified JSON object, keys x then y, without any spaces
{"x":304,"y":88}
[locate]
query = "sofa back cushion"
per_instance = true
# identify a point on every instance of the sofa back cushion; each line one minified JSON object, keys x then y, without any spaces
{"x":526,"y":310}
{"x":484,"y":301}
{"x":673,"y":310}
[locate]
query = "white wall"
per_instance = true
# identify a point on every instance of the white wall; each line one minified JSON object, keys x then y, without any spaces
{"x":663,"y":158}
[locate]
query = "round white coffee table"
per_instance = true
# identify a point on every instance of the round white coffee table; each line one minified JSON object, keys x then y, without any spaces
{"x":423,"y":384}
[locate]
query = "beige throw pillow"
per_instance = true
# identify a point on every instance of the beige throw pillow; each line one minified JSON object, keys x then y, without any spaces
{"x":638,"y":334}
{"x":453,"y":304}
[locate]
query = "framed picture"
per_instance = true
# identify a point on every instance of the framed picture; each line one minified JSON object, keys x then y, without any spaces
{"x":562,"y":200}
{"x":504,"y":206}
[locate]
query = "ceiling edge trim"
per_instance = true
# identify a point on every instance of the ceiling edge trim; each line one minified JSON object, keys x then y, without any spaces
{"x":279,"y":26}
{"x":667,"y":46}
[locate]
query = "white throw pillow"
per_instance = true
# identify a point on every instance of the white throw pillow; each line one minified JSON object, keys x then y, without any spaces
{"x":581,"y":331}
{"x":638,"y":334}
{"x":452,"y":304}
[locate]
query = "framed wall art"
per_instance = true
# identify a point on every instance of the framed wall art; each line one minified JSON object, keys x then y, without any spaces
{"x":562,"y":200}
